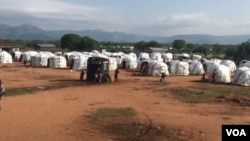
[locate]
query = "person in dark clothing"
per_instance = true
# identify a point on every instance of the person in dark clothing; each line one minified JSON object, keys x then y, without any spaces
{"x":100,"y":76}
{"x":124,"y":64}
{"x":116,"y":74}
{"x":205,"y":70}
{"x":162,"y":77}
{"x":82,"y":75}
{"x":2,"y":92}
{"x":214,"y":76}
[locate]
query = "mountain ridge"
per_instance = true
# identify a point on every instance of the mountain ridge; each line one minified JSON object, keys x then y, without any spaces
{"x":31,"y":32}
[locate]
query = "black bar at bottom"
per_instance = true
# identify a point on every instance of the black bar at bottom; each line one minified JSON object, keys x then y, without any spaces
{"x":235,"y":132}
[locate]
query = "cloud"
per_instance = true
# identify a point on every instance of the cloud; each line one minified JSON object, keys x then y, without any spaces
{"x":25,"y":11}
{"x":198,"y":23}
{"x":58,"y":14}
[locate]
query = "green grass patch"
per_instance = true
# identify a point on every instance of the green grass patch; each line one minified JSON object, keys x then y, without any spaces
{"x":226,"y":118}
{"x":209,"y":93}
{"x":19,"y":91}
{"x":104,"y":113}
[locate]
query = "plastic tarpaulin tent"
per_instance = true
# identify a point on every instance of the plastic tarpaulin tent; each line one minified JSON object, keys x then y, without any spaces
{"x":131,"y":61}
{"x":57,"y":62}
{"x":158,"y":68}
{"x":154,"y":68}
{"x":195,"y":67}
{"x":18,"y":55}
{"x":156,"y":56}
{"x":222,"y":75}
{"x":112,"y":63}
{"x":26,"y":56}
{"x":41,"y":59}
{"x":80,"y":62}
{"x":230,"y":64}
{"x":179,"y":68}
{"x":167,"y":57}
{"x":141,"y":57}
{"x":242,"y":76}
{"x":245,"y":63}
{"x":5,"y":57}
{"x":196,"y":57}
{"x":112,"y":60}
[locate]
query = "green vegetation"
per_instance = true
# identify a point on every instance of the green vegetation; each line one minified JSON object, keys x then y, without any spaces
{"x":74,"y":42}
{"x":110,"y":113}
{"x":19,"y":91}
{"x":208,"y":94}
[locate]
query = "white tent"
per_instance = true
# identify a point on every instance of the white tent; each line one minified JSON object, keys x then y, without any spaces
{"x":222,"y":74}
{"x":80,"y":62}
{"x":112,"y":60}
{"x":195,"y":67}
{"x":112,"y":63}
{"x":109,"y":54}
{"x":131,"y":61}
{"x":27,"y":55}
{"x":41,"y":59}
{"x":141,"y":57}
{"x":154,"y":68}
{"x":118,"y":56}
{"x":230,"y":64}
{"x":18,"y":55}
{"x":196,"y":57}
{"x":167,"y":57}
{"x":57,"y":62}
{"x":159,"y":67}
{"x":185,"y":55}
{"x":179,"y":68}
{"x":245,"y":63}
{"x":242,"y":76}
{"x":156,"y":56}
{"x":5,"y":57}
{"x":214,"y":60}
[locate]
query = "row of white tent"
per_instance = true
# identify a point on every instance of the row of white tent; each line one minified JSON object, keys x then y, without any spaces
{"x":78,"y":60}
{"x":156,"y":65}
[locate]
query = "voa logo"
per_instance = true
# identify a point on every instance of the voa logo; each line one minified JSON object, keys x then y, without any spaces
{"x":236,"y":132}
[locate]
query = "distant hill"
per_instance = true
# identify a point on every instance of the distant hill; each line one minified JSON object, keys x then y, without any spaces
{"x":30,"y":32}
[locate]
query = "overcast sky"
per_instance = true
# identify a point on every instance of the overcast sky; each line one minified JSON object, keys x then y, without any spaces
{"x":148,"y":17}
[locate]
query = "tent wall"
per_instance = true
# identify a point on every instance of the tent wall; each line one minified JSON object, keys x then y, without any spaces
{"x":196,"y":68}
{"x":223,"y":74}
{"x":5,"y":57}
{"x":57,"y":62}
{"x":179,"y":68}
{"x":242,"y":76}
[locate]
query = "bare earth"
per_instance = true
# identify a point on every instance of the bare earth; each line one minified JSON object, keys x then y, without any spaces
{"x":55,"y":112}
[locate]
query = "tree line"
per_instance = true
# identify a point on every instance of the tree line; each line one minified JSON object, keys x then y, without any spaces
{"x":74,"y":42}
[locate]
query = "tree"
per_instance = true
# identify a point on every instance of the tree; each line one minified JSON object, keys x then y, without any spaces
{"x":243,"y":52}
{"x":140,"y":45}
{"x":87,"y":44}
{"x":230,"y":53}
{"x":178,"y":45}
{"x":203,"y":49}
{"x":70,"y":41}
{"x":153,"y":44}
{"x":189,"y":48}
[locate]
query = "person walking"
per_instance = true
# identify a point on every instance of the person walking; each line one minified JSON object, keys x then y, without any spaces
{"x":162,"y":77}
{"x":214,"y":76}
{"x":2,"y":92}
{"x":116,"y":74}
{"x":82,"y":75}
{"x":100,"y":76}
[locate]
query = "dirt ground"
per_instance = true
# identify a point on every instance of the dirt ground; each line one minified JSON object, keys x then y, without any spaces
{"x":56,"y":110}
